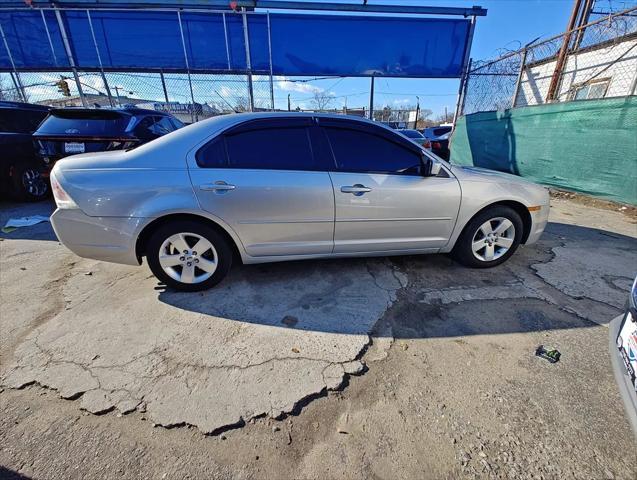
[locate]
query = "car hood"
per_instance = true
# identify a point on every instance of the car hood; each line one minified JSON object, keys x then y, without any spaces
{"x":493,"y":186}
{"x":478,"y":174}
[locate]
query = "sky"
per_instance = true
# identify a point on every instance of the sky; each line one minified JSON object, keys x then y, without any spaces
{"x":509,"y":24}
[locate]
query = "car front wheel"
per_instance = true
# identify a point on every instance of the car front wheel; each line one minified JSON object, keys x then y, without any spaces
{"x":188,"y":256}
{"x":489,"y":238}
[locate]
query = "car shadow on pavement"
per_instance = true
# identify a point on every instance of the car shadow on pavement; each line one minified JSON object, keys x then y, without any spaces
{"x":7,"y":474}
{"x":40,"y":231}
{"x":427,"y":295}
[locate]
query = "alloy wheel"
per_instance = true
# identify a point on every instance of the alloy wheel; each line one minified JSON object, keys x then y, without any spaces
{"x":33,"y":182}
{"x":493,"y":239}
{"x":188,"y":258}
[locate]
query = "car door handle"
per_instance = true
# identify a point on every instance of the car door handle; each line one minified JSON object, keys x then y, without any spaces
{"x":357,"y":189}
{"x":217,"y":187}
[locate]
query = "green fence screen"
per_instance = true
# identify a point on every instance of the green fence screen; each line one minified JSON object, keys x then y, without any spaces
{"x":588,"y":146}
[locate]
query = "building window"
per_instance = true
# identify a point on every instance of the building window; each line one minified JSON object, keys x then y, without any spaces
{"x":590,"y":90}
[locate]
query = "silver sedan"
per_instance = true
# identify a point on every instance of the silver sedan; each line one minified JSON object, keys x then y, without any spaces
{"x":269,"y":187}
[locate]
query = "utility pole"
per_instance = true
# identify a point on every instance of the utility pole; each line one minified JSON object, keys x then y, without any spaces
{"x":289,"y":102}
{"x":446,"y":117}
{"x":417,"y":112}
{"x":561,"y":56}
{"x":371,"y":99}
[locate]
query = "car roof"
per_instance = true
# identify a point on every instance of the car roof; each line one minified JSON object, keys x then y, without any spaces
{"x":23,"y":106}
{"x":130,"y":111}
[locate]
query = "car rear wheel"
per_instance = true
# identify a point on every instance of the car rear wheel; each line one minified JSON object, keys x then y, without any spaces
{"x":28,"y":183}
{"x":489,"y":238}
{"x":189,"y":256}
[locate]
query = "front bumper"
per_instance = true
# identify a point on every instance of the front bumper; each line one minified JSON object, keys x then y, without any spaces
{"x":111,"y":239}
{"x":620,"y":362}
{"x":539,"y":219}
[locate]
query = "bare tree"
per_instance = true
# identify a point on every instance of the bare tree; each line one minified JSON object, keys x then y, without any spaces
{"x":322,"y":100}
{"x":7,"y":91}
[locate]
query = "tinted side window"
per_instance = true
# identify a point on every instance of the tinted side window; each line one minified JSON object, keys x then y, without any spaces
{"x":20,"y":121}
{"x":359,"y":151}
{"x":281,"y":148}
{"x":176,"y":123}
{"x":213,"y":154}
{"x":144,"y":128}
{"x":162,"y":126}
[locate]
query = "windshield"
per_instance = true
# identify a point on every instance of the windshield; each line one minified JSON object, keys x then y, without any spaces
{"x":84,"y":123}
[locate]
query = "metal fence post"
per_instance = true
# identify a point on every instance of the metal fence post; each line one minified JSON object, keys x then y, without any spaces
{"x":99,"y":59}
{"x":466,"y":67}
{"x":183,"y":44}
{"x":246,"y":39}
{"x":163,"y":85}
{"x":518,"y":83}
{"x":225,"y":36}
{"x":69,"y":54}
{"x":270,"y":55}
{"x":633,"y":87}
{"x":14,"y":75}
{"x":371,"y":99}
{"x":48,"y":36}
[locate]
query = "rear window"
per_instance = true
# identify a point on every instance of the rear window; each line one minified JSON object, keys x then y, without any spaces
{"x":76,"y":123}
{"x":20,"y":121}
{"x":441,"y":131}
{"x":411,"y":133}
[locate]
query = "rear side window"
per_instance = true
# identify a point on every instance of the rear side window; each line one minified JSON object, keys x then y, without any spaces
{"x":361,"y":151}
{"x":20,"y":121}
{"x":280,"y":148}
{"x":213,"y":154}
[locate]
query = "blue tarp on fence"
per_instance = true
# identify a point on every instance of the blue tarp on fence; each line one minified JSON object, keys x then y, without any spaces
{"x":301,"y":44}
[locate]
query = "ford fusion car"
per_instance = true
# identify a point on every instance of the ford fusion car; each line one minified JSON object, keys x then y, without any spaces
{"x":268,"y":187}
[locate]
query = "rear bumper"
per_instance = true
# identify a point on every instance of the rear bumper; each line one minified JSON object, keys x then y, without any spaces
{"x":111,"y":239}
{"x":539,"y":219}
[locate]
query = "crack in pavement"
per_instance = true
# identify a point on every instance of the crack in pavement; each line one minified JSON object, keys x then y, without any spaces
{"x":160,"y":355}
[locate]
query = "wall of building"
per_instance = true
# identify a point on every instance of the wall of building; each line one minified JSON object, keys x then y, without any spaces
{"x":589,"y":146}
{"x":616,"y":61}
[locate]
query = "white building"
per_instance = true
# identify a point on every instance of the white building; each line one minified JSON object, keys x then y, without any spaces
{"x":608,"y":69}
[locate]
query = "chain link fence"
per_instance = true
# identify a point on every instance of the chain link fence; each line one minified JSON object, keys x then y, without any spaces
{"x":190,"y":97}
{"x":599,"y":61}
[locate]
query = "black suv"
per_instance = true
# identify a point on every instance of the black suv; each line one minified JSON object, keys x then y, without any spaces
{"x":21,"y":171}
{"x":67,"y":131}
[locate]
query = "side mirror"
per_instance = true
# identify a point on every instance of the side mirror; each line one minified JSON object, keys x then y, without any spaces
{"x":430,"y":167}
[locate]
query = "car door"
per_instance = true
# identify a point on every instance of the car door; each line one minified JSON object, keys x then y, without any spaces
{"x":383,"y":203}
{"x":262,"y":178}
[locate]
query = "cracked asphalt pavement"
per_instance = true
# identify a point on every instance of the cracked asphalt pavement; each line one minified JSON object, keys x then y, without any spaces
{"x":401,"y":367}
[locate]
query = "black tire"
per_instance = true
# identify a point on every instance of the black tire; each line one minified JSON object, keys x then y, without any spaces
{"x":28,"y":183}
{"x":463,"y":252}
{"x":223,"y":252}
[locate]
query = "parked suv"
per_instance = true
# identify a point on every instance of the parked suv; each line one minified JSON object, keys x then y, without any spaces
{"x":439,"y":138}
{"x":416,"y":136}
{"x":68,"y":131}
{"x":21,"y":170}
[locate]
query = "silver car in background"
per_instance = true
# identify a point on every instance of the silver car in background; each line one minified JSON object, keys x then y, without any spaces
{"x":269,"y":187}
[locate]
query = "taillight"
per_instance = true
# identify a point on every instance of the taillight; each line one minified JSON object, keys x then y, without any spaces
{"x":427,"y":144}
{"x":62,"y":199}
{"x":435,"y":145}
